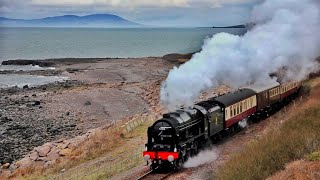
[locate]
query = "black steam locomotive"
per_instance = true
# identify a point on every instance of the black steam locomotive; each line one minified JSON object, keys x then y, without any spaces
{"x":179,"y":135}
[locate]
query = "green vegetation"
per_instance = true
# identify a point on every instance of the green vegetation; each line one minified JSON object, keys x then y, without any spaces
{"x":291,"y":141}
{"x":314,"y":156}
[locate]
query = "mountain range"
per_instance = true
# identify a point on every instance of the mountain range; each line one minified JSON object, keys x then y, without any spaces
{"x":94,"y":20}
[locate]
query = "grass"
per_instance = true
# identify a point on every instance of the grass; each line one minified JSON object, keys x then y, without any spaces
{"x":315,"y":156}
{"x":295,"y":138}
{"x":105,"y":143}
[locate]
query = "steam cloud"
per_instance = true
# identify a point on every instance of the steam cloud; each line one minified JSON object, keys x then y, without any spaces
{"x":286,"y":35}
{"x":203,"y":157}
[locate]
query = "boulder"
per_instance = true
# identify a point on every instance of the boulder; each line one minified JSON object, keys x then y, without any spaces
{"x":63,"y":145}
{"x":65,"y":152}
{"x":43,"y":150}
{"x":25,"y":162}
{"x":34,"y":155}
{"x":6,"y":166}
{"x":36,"y":103}
{"x":25,"y":87}
{"x":87,"y":103}
{"x":53,"y":154}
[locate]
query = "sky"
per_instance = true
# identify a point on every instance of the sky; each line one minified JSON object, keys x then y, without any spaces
{"x":176,"y":13}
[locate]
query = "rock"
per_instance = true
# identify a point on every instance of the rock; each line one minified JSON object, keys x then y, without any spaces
{"x":65,"y":152}
{"x":25,"y":162}
{"x":34,"y":155}
{"x":36,"y":103}
{"x":25,"y":87}
{"x":12,"y":167}
{"x":60,"y":140}
{"x":43,"y":150}
{"x":53,"y":154}
{"x":7,"y":160}
{"x":44,"y":159}
{"x":68,"y":113}
{"x":64,"y":145}
{"x":49,"y":163}
{"x":87,"y":103}
{"x":5,"y":119}
{"x":6,"y":166}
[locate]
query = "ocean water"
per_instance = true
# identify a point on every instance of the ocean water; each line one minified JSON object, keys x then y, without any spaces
{"x":10,"y":80}
{"x":43,"y":43}
{"x":46,"y":43}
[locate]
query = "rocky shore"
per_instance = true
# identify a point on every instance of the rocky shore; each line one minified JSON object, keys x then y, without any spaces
{"x":40,"y":124}
{"x":25,"y":123}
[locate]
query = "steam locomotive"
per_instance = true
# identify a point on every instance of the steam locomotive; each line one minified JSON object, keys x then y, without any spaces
{"x":179,"y":135}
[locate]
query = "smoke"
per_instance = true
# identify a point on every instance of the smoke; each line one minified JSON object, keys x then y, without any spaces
{"x":244,"y":123}
{"x":286,"y":35}
{"x":203,"y":157}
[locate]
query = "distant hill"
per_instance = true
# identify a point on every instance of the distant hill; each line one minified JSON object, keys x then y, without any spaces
{"x":237,"y":26}
{"x":94,"y":20}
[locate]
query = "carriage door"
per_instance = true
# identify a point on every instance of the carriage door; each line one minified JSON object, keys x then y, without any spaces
{"x":215,"y":122}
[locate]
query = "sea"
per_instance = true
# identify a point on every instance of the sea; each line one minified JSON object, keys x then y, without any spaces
{"x":51,"y":43}
{"x":47,"y":43}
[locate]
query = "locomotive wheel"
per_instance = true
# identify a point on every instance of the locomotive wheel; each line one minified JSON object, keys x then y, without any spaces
{"x":179,"y":164}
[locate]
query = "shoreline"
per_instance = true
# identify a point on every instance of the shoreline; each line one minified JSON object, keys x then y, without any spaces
{"x":99,"y":93}
{"x":68,"y":61}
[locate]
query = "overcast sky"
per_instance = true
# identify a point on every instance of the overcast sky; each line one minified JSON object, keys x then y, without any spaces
{"x":150,"y":12}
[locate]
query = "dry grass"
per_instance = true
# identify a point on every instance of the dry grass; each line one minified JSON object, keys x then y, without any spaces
{"x":103,"y":143}
{"x":295,"y":138}
{"x":299,"y":170}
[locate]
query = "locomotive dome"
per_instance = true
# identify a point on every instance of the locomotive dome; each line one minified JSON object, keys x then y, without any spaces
{"x":177,"y":118}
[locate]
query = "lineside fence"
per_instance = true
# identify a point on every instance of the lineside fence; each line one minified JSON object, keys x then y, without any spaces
{"x":108,"y":166}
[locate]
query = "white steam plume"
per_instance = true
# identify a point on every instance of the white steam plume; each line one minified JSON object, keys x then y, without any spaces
{"x":203,"y":157}
{"x":287,"y":35}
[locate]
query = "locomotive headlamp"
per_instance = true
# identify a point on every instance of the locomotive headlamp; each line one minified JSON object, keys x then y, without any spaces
{"x":170,"y":158}
{"x":146,"y":157}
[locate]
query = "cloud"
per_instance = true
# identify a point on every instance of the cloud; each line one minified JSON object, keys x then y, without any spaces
{"x":114,"y":3}
{"x":143,"y":3}
{"x":152,"y":12}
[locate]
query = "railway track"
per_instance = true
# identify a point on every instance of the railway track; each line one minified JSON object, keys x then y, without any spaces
{"x":151,"y":175}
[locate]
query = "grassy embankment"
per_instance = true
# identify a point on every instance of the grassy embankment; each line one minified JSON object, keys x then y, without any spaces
{"x":295,"y":138}
{"x":111,"y":142}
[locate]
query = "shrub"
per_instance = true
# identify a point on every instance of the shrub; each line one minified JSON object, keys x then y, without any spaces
{"x":291,"y":141}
